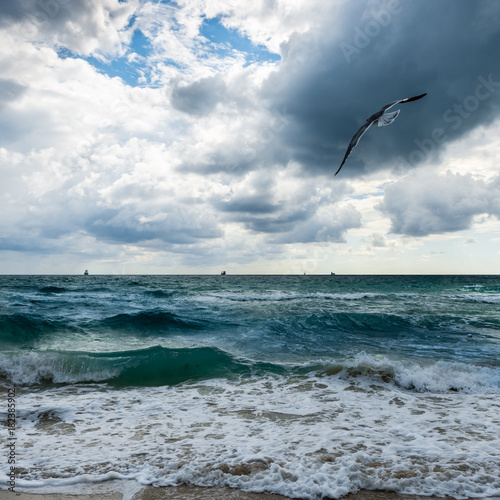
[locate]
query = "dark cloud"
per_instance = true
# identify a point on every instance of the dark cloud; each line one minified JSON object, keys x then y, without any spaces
{"x":12,"y":11}
{"x":260,"y":213}
{"x":200,"y":97}
{"x":322,"y":228}
{"x":301,"y":219}
{"x":248,"y":204}
{"x":131,"y":230}
{"x":17,"y":243}
{"x":419,"y":205}
{"x":398,"y":48}
{"x":282,"y":222}
{"x":135,"y":222}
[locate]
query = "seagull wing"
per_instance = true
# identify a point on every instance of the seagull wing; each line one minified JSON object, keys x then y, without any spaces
{"x":354,"y":142}
{"x":408,"y":99}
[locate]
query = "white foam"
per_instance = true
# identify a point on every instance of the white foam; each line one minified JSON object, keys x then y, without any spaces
{"x":437,"y":377}
{"x":28,"y":368}
{"x":302,"y":437}
{"x":488,"y":298}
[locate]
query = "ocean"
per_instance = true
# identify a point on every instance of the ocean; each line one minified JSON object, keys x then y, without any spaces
{"x":306,"y":386}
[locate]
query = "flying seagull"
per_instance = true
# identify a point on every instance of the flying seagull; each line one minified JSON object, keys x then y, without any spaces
{"x":381,"y":118}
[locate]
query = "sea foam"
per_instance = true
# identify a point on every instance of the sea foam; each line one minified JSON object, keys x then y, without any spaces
{"x":309,"y":437}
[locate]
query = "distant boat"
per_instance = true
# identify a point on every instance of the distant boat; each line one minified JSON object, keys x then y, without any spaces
{"x":86,"y":273}
{"x":223,"y":273}
{"x":333,"y":274}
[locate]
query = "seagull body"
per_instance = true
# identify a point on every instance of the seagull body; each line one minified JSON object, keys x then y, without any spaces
{"x":380,"y":118}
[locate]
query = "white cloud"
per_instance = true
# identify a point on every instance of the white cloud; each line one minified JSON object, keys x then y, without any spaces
{"x":267,"y":22}
{"x":213,"y":159}
{"x":424,"y":203}
{"x":87,"y":27}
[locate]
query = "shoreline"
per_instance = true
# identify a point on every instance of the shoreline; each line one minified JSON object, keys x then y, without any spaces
{"x":186,"y":492}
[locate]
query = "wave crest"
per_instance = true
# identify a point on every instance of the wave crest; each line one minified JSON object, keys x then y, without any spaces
{"x":437,"y":377}
{"x":154,"y":320}
{"x":153,"y":366}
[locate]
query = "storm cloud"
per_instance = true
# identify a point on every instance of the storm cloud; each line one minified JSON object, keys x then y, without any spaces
{"x":398,"y":49}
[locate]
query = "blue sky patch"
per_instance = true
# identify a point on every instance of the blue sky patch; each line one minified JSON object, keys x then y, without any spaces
{"x":221,"y":41}
{"x":140,"y":44}
{"x":226,"y":40}
{"x":128,"y":71}
{"x":120,"y":67}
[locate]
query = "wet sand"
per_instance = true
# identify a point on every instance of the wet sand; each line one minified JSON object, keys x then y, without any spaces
{"x":197,"y":493}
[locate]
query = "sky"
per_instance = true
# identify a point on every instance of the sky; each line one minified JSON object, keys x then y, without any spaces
{"x":191,"y":137}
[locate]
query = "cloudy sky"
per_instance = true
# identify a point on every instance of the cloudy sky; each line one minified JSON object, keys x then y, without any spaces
{"x":148,"y":136}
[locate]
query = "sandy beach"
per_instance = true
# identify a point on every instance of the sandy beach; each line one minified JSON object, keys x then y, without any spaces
{"x":197,"y":493}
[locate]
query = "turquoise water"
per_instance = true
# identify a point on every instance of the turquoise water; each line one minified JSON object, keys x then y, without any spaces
{"x":274,"y":355}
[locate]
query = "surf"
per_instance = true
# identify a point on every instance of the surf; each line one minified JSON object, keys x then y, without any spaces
{"x":153,"y":366}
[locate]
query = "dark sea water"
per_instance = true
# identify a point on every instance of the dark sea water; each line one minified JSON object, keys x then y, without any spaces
{"x":308,"y":386}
